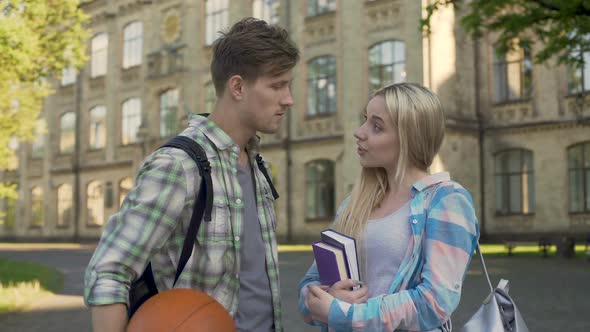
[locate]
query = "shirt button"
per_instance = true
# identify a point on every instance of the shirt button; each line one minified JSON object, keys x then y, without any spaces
{"x":414,"y":221}
{"x":237,"y":238}
{"x":238,"y":201}
{"x":236,"y":149}
{"x":237,"y":276}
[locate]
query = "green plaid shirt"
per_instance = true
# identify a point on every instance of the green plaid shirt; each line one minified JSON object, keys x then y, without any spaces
{"x":153,"y":220}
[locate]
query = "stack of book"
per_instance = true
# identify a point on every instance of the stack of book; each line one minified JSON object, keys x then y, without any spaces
{"x":336,"y":257}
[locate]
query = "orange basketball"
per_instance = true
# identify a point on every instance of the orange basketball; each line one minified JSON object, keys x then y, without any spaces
{"x":181,"y":310}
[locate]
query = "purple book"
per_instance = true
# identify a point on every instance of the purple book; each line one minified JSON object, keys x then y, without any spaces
{"x":330,"y":262}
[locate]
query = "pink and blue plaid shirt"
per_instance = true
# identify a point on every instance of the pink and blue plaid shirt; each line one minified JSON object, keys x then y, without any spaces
{"x":427,"y":287}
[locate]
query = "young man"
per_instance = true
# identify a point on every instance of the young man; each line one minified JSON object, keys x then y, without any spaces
{"x":252,"y":71}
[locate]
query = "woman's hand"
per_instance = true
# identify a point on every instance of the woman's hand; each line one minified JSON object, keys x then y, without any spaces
{"x":318,"y":303}
{"x":341,"y":291}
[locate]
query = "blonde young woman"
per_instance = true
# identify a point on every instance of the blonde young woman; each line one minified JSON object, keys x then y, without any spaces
{"x":416,"y":231}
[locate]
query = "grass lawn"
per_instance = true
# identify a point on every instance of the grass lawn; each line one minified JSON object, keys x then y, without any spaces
{"x":21,"y":282}
{"x":487,"y":249}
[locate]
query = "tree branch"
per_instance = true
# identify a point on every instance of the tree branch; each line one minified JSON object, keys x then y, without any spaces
{"x":546,"y":5}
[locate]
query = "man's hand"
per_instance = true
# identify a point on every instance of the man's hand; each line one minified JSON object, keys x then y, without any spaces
{"x":109,"y":318}
{"x":341,"y":291}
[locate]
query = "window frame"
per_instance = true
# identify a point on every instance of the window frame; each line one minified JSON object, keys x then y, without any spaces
{"x":326,"y":181}
{"x":585,"y":174}
{"x":132,"y":45}
{"x":506,"y":174}
{"x":502,"y":65}
{"x":378,"y":48}
{"x":315,"y":100}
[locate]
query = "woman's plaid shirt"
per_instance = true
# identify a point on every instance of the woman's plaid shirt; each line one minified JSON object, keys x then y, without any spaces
{"x":154,"y":218}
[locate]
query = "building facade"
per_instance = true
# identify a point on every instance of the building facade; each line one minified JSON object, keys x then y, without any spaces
{"x":517,"y":133}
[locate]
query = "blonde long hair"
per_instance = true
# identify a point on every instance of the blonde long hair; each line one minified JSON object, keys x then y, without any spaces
{"x":418,"y":115}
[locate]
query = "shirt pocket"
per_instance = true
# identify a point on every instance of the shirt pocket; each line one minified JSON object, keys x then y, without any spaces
{"x":217,"y":229}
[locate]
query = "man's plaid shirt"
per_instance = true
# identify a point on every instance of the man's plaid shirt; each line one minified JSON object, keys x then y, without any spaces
{"x":154,"y":218}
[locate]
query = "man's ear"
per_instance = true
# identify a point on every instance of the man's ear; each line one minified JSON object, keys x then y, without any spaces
{"x":235,"y":86}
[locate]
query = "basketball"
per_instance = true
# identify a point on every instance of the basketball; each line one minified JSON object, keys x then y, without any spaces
{"x":181,"y":310}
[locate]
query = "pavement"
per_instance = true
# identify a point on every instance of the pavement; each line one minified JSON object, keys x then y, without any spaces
{"x":551,"y":293}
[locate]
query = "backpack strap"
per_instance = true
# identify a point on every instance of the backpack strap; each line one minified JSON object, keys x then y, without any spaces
{"x":204,"y":199}
{"x":264,"y":171}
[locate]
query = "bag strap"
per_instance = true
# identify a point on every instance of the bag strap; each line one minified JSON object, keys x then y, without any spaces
{"x":264,"y":171}
{"x":483,"y":264}
{"x":204,"y":199}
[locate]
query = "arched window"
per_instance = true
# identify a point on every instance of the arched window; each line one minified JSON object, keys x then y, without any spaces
{"x":515,"y":183}
{"x":130,"y":120}
{"x":267,"y":10}
{"x":95,"y":203}
{"x":38,"y":145}
{"x":99,"y":55}
{"x":216,"y":19}
{"x":64,"y":205}
{"x":210,"y":97}
{"x":319,"y":178}
{"x":318,"y":7}
{"x":125,"y":186}
{"x":387,"y":63}
{"x":321,"y":86}
{"x":36,"y":206}
{"x":513,"y":76}
{"x":98,"y":122}
{"x":578,"y":164}
{"x":168,"y":113}
{"x":133,"y":44}
{"x":67,"y":137}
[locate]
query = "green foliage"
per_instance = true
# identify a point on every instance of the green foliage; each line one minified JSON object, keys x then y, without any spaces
{"x":38,"y":38}
{"x":557,"y":28}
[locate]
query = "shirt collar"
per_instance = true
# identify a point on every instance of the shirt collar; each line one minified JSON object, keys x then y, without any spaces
{"x":218,"y":137}
{"x":431,"y":180}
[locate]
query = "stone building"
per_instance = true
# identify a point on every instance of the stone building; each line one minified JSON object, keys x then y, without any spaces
{"x":518,"y":133}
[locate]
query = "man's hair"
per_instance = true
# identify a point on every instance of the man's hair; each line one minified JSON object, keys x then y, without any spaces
{"x":252,"y":48}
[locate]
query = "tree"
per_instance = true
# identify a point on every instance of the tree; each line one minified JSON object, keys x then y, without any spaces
{"x":561,"y":28}
{"x":38,"y":39}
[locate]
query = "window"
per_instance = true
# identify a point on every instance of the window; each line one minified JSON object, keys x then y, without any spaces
{"x":99,"y":50}
{"x":131,"y":120}
{"x":124,"y":189}
{"x":133,"y":44}
{"x":8,"y":214}
{"x":579,"y":77}
{"x":37,"y":206}
{"x":217,"y":16}
{"x":95,"y":203}
{"x":267,"y":10}
{"x":387,"y":64}
{"x":67,"y":136}
{"x":68,"y":76}
{"x":321,"y":86}
{"x":515,"y":186}
{"x":319,"y":177}
{"x":168,"y":109}
{"x":64,"y":205}
{"x":578,"y":160}
{"x":38,"y":145}
{"x":210,"y":98}
{"x":98,"y":118}
{"x":513,"y":76}
{"x":317,"y":7}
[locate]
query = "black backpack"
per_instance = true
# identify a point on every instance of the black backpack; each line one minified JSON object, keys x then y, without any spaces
{"x":145,"y":286}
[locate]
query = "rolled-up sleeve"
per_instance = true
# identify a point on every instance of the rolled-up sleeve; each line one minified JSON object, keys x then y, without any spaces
{"x":149,"y":215}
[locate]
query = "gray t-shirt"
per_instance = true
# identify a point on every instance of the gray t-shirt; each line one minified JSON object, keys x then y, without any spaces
{"x":255,"y":310}
{"x":384,"y":246}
